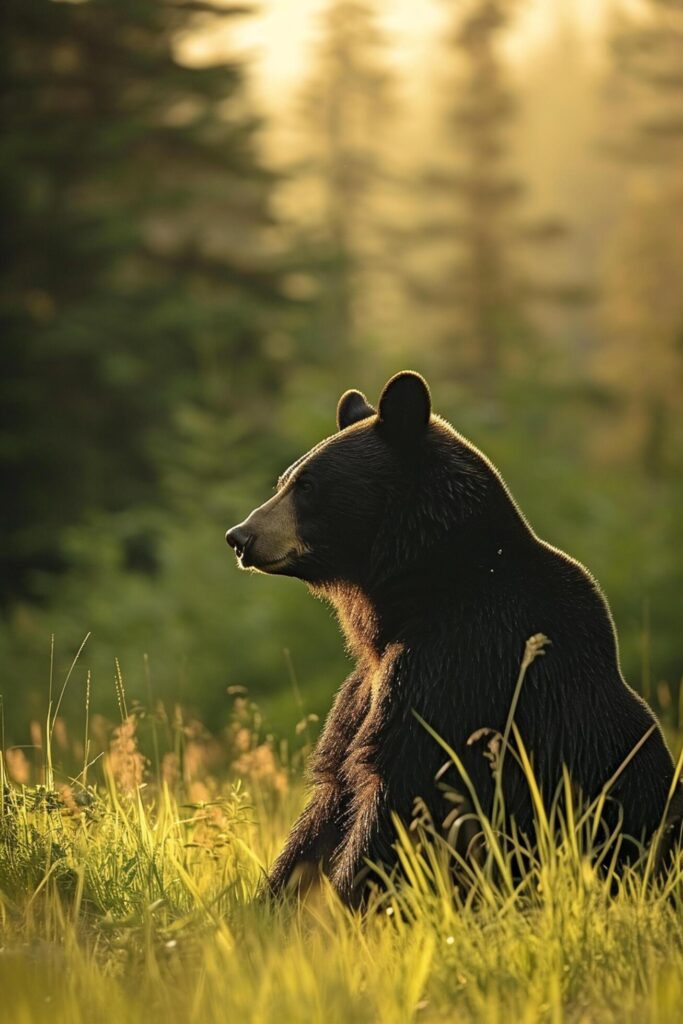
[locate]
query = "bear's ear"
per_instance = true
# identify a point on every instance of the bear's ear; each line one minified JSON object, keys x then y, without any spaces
{"x":353,"y":406}
{"x":405,"y":405}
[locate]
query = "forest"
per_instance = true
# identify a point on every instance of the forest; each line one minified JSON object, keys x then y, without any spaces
{"x":193,"y":272}
{"x":218,"y":217}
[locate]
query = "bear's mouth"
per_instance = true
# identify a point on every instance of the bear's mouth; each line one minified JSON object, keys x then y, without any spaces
{"x":247,"y":560}
{"x":277,"y":563}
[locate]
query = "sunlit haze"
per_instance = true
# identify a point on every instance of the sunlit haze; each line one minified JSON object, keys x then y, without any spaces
{"x":278,"y":37}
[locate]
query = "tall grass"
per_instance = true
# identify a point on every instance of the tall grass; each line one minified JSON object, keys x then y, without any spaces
{"x":132,"y":899}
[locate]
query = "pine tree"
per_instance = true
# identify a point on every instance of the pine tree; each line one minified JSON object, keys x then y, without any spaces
{"x":649,"y":51}
{"x":471,"y":265}
{"x":346,"y":105}
{"x":137,"y":270}
{"x":642,"y":352}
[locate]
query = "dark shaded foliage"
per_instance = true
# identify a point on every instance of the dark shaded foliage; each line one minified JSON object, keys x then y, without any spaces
{"x":136,"y":276}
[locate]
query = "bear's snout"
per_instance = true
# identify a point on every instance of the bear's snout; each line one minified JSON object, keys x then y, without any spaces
{"x":267,"y":539}
{"x":239,"y":540}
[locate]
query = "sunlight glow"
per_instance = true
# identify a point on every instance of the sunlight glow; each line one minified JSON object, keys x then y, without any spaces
{"x":280,"y":36}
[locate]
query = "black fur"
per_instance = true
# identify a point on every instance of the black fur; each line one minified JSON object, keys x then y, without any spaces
{"x":352,"y":407}
{"x":438,"y":581}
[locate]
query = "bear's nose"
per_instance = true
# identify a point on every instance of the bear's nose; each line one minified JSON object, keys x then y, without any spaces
{"x":239,"y":539}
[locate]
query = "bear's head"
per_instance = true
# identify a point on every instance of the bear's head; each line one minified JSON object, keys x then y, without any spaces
{"x":384,"y":495}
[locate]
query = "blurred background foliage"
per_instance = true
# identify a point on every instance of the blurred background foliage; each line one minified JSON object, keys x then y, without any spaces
{"x":196,"y":263}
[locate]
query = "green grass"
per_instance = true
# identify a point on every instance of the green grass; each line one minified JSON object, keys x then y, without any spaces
{"x":140,"y":909}
{"x":135,"y":901}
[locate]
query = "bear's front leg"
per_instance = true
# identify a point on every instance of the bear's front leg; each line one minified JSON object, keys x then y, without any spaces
{"x":363,"y":838}
{"x":318,"y":830}
{"x":310,"y":843}
{"x":368,"y":832}
{"x":391,"y":761}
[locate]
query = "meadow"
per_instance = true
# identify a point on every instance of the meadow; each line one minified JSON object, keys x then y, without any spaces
{"x":131,"y":890}
{"x":218,"y":219}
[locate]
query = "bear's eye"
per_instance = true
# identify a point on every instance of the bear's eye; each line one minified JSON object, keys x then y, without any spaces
{"x":305,"y":485}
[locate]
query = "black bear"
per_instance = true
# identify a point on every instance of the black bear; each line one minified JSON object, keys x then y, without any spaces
{"x":438,"y":580}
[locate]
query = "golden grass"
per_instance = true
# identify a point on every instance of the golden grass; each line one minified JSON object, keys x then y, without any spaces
{"x":133,"y":901}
